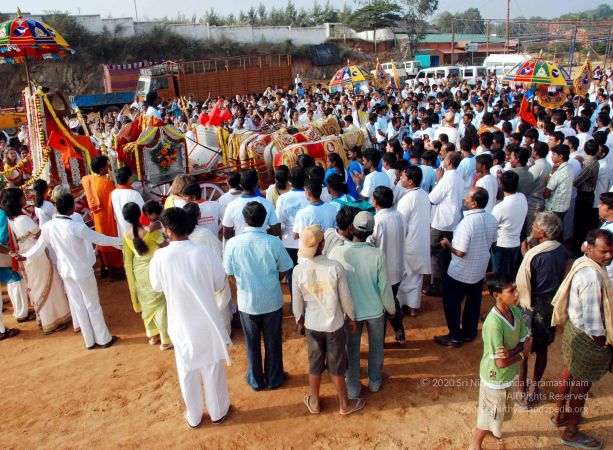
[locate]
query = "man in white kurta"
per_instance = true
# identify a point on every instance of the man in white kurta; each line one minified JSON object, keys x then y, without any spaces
{"x":189,"y":275}
{"x":124,"y":193}
{"x":414,"y":206}
{"x":71,"y":242}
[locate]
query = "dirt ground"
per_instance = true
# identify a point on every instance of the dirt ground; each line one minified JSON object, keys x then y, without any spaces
{"x":55,"y":394}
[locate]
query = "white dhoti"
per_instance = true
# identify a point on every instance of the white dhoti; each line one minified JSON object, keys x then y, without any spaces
{"x":85,"y":304}
{"x":409,"y":292}
{"x":215,"y":391}
{"x":18,"y":293}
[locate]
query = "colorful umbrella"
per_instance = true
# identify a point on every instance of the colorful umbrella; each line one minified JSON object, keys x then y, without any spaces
{"x":23,"y":40}
{"x":350,"y":75}
{"x":583,"y":78}
{"x":537,"y":71}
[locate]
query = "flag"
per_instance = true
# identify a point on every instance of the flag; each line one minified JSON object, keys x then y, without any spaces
{"x":583,"y":79}
{"x":396,"y":77}
{"x":525,"y":111}
{"x":382,"y":79}
{"x":62,"y":144}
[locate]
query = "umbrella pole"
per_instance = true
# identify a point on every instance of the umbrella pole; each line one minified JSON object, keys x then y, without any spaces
{"x":25,"y":63}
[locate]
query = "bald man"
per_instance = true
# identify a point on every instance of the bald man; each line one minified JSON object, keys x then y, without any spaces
{"x":449,"y":129}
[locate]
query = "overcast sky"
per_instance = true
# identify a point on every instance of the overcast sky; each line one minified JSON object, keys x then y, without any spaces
{"x":151,"y":9}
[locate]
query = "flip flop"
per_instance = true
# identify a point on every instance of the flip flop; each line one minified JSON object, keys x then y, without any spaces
{"x":307,"y":402}
{"x":520,"y":406}
{"x":9,"y":333}
{"x":583,"y":442}
{"x":360,"y":404}
{"x":28,"y":318}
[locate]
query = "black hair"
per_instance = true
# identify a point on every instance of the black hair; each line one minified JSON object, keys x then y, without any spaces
{"x":384,"y":196}
{"x":131,"y":214}
{"x":466,"y":144}
{"x":590,"y":147}
{"x":498,"y":282}
{"x":487,"y":139}
{"x":11,"y":201}
{"x":599,"y":233}
{"x":98,"y":163}
{"x":454,"y":159}
{"x":305,"y":161}
{"x":316,"y":172}
{"x":249,"y":180}
{"x":123,"y":174}
{"x":372,"y":155}
{"x":389,"y":158}
{"x":532,"y":133}
{"x":192,"y":211}
{"x":562,"y":150}
{"x":345,"y":216}
{"x":297,"y":177}
{"x":336,"y":159}
{"x":414,"y":174}
{"x":314,"y":186}
{"x":254,"y":214}
{"x":430,"y":157}
{"x":39,"y":187}
{"x":175,"y":220}
{"x":509,"y":181}
{"x":152,"y":207}
{"x":541,"y":149}
{"x":64,"y":204}
{"x":522,"y":154}
{"x":485,"y":160}
{"x":337,"y":183}
{"x":357,"y":150}
{"x":607,"y":199}
{"x":192,"y":190}
{"x":481,"y":197}
{"x":234,"y":180}
{"x":281,"y":176}
{"x":396,"y":147}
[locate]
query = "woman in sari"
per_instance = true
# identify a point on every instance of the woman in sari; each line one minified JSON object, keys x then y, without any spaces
{"x":44,"y":283}
{"x":139,"y":245}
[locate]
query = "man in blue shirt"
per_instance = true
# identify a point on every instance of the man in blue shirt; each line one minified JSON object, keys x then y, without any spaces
{"x":258,"y":261}
{"x":355,"y":155}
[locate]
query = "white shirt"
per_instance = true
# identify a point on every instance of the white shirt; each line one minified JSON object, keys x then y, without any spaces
{"x":227,"y":198}
{"x":322,"y":214}
{"x":490,"y":184}
{"x":389,"y":236}
{"x":414,"y":206}
{"x":151,"y":111}
{"x":71,"y":240}
{"x":288,"y":205}
{"x":45,"y":213}
{"x":451,"y":132}
{"x":602,"y":183}
{"x":447,"y":197}
{"x":119,"y":198}
{"x":372,"y":181}
{"x":210,"y":215}
{"x":195,"y":325}
{"x":233,"y":216}
{"x":510,"y":214}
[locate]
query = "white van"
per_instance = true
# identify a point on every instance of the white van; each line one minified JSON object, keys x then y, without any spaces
{"x":412,"y":68}
{"x":432,"y":73}
{"x":388,"y":67}
{"x":472,"y":73}
{"x":501,"y":64}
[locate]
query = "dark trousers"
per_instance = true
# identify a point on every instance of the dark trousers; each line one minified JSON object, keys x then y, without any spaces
{"x":453,"y":294}
{"x":268,"y":325}
{"x":439,"y":257}
{"x":504,"y":260}
{"x":584,"y":218}
{"x":396,"y":321}
{"x":293,"y":254}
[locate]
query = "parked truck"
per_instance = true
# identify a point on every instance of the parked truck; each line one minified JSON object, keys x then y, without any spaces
{"x":215,"y":77}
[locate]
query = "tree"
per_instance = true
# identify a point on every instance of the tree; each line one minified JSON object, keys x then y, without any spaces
{"x":252,"y":16}
{"x":443,"y":21}
{"x":262,"y":15}
{"x":470,"y":22}
{"x":376,"y":14}
{"x":416,"y":12}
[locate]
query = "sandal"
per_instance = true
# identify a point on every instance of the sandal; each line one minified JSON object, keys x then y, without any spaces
{"x":9,"y":333}
{"x":154,"y":340}
{"x":307,"y":402}
{"x":164,"y":347}
{"x":28,"y":318}
{"x":583,"y":442}
{"x":359,"y":404}
{"x":60,"y":327}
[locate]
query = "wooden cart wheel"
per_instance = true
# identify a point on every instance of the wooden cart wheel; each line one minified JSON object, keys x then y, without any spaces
{"x":158,"y":192}
{"x":211,"y":191}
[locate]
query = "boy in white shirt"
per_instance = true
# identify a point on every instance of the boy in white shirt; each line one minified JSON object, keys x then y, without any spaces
{"x":210,"y":214}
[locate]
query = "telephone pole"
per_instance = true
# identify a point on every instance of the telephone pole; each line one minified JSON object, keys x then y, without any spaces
{"x":508,"y":25}
{"x":452,"y":40}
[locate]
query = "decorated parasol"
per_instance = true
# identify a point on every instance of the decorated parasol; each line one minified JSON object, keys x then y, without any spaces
{"x":582,"y":80}
{"x":550,"y":80}
{"x":24,"y":40}
{"x":350,"y":75}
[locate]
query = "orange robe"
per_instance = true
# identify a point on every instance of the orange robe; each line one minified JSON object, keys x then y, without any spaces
{"x":98,"y":193}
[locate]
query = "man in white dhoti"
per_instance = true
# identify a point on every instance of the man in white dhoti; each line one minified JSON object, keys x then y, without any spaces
{"x":72,"y":243}
{"x":189,"y":275}
{"x":415,"y":208}
{"x":123,"y":194}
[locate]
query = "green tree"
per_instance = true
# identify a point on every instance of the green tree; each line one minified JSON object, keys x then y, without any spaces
{"x":376,"y":14}
{"x":416,"y":13}
{"x":443,"y":21}
{"x":470,"y":22}
{"x":262,"y":15}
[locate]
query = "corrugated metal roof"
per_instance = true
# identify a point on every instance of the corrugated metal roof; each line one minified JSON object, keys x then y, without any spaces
{"x":446,"y":37}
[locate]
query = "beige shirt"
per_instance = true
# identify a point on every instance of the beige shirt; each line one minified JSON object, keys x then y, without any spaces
{"x":321,"y":294}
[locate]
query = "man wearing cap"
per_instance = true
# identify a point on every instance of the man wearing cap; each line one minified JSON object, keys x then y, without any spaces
{"x":372,"y":296}
{"x":321,"y":299}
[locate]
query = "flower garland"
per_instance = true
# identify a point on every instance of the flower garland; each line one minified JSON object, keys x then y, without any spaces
{"x":165,"y":155}
{"x":38,"y":126}
{"x":17,"y":166}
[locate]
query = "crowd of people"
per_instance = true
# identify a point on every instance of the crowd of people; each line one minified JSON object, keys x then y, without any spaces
{"x":454,"y":188}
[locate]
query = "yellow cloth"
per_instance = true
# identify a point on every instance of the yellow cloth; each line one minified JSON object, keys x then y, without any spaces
{"x":560,"y":301}
{"x":524,"y":274}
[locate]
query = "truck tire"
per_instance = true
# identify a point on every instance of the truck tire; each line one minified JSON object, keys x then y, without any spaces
{"x":111,"y":109}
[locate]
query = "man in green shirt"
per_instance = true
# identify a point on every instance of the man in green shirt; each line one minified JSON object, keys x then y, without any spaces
{"x":371,"y":291}
{"x":506,"y":342}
